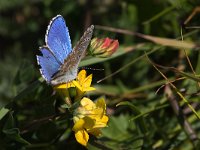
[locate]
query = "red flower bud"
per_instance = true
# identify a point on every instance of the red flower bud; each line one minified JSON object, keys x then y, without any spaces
{"x":103,"y":47}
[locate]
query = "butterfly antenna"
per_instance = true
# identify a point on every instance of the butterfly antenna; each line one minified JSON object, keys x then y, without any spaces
{"x":110,"y":75}
{"x":88,"y":68}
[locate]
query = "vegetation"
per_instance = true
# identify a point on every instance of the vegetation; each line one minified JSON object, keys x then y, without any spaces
{"x":151,"y":84}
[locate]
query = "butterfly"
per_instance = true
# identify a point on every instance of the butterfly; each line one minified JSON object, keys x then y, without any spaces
{"x":59,"y":62}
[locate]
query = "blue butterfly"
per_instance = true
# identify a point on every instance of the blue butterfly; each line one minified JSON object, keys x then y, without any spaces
{"x":59,"y":63}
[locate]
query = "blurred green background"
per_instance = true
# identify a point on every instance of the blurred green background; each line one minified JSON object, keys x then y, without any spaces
{"x":148,"y":121}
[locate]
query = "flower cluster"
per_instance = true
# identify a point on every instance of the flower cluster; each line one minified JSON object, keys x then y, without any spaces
{"x":88,"y":117}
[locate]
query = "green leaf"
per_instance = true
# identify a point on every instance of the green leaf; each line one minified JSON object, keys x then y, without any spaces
{"x":27,"y":90}
{"x":136,"y":112}
{"x":11,"y":131}
{"x":120,"y":134}
{"x":14,"y":134}
{"x":3,"y":112}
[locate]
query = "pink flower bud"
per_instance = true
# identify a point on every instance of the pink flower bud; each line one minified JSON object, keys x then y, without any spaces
{"x":103,"y":47}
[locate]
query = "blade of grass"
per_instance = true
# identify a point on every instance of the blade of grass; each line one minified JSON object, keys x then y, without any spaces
{"x":174,"y":87}
{"x":129,"y":64}
{"x":150,"y":111}
{"x":160,"y":14}
{"x":188,"y":75}
{"x":158,"y":40}
{"x":121,"y":51}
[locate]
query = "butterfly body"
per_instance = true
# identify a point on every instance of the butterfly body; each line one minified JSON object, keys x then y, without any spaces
{"x":59,"y":63}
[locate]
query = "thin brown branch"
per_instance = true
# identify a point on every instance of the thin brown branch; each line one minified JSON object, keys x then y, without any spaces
{"x":36,"y":123}
{"x":179,"y":113}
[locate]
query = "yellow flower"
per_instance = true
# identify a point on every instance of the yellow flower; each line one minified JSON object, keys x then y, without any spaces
{"x":82,"y":84}
{"x":62,"y":90}
{"x":89,"y":117}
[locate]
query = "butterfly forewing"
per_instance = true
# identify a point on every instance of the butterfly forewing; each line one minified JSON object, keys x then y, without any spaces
{"x":58,"y":39}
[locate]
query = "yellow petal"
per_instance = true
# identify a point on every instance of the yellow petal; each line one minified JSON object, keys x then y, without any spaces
{"x":103,"y":122}
{"x":79,"y":125}
{"x":64,"y":85}
{"x":81,"y":76}
{"x":87,"y":103}
{"x":77,"y":85}
{"x":70,"y":84}
{"x":96,"y":113}
{"x":88,"y":81}
{"x":104,"y":119}
{"x":89,"y":89}
{"x":82,"y":137}
{"x":61,"y":86}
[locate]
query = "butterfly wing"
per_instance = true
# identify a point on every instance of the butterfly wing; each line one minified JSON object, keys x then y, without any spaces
{"x":57,"y":38}
{"x":58,"y":47}
{"x":68,"y":70}
{"x":48,"y":62}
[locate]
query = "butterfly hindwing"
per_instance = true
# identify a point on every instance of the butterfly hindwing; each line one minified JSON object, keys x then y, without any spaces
{"x":68,"y":70}
{"x":48,"y":62}
{"x":58,"y":39}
